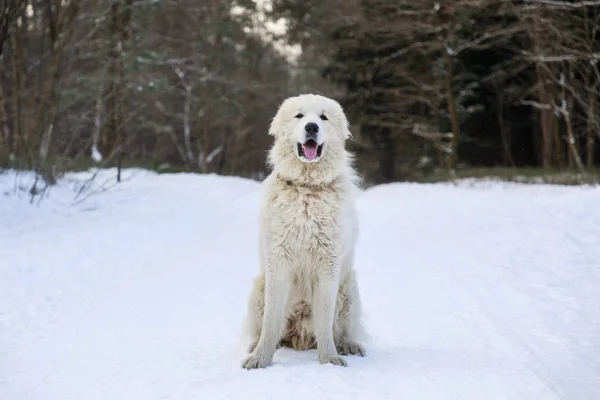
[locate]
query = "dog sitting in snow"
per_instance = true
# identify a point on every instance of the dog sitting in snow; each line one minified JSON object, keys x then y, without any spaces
{"x":306,"y":295}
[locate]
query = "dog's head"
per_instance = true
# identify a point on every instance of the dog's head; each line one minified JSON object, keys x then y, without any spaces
{"x":310,"y":126}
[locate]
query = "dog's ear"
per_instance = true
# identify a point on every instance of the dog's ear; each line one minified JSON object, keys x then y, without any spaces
{"x":273,"y":127}
{"x":347,"y":133}
{"x":345,"y":124}
{"x":276,"y":122}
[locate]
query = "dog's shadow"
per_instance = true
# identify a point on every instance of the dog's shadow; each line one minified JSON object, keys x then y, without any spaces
{"x":392,"y":359}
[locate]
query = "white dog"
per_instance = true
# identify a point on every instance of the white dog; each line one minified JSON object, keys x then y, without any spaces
{"x":306,"y":296}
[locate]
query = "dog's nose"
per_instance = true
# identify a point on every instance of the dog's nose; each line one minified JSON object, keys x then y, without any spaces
{"x":311,"y":128}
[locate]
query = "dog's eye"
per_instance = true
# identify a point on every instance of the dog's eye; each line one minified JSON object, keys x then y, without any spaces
{"x":299,"y":115}
{"x":323,"y":118}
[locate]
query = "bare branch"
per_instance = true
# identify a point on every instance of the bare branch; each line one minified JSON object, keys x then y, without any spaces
{"x":564,"y":4}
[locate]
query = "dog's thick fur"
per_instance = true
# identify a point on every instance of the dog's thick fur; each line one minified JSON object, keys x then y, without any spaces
{"x":306,"y":296}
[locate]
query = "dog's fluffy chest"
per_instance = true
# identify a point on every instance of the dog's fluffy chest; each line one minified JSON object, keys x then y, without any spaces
{"x":308,"y":217}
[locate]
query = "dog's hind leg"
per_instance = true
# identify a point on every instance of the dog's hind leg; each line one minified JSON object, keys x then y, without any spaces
{"x":348,"y":329}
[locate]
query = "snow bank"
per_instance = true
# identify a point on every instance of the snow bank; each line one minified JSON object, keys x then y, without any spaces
{"x":471,"y":292}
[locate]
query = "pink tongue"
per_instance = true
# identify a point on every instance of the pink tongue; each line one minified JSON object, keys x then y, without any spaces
{"x":310,"y":151}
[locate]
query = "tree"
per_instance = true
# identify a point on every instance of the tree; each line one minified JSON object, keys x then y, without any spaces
{"x":167,"y":83}
{"x":9,"y":13}
{"x":440,"y":83}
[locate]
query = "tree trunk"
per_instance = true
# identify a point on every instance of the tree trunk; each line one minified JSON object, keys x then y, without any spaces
{"x":387,"y":158}
{"x":114,"y":138}
{"x":453,"y":156}
{"x":5,"y":132}
{"x":60,"y":19}
{"x":590,"y":127}
{"x":45,"y":122}
{"x":546,"y":122}
{"x":9,"y":13}
{"x":571,"y":141}
{"x":590,"y":87}
{"x":19,"y":126}
{"x":573,"y":144}
{"x":546,"y":116}
{"x":508,"y":159}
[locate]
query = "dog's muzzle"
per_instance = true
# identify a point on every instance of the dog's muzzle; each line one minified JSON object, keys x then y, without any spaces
{"x":310,"y":149}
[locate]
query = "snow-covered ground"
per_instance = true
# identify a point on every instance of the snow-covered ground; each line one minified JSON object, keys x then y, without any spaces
{"x":485,"y":291}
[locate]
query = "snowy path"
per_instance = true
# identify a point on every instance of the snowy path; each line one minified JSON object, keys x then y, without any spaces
{"x":486,"y":292}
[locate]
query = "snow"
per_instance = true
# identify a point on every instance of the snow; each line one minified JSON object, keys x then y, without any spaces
{"x":481,"y":290}
{"x":96,"y":155}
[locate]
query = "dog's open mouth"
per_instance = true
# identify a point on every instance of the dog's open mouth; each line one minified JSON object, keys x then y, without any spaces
{"x":310,"y":150}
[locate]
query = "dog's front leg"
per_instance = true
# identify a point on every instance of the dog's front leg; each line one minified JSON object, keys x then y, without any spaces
{"x":325,"y":295}
{"x":277,"y":286}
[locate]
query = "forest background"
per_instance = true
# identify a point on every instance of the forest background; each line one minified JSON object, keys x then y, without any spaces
{"x":433,"y":89}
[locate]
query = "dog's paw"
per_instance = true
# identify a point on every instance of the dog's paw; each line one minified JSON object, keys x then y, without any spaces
{"x":254,"y":362}
{"x":332,"y":359}
{"x":351,"y":349}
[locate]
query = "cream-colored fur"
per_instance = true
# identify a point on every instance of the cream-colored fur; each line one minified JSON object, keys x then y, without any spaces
{"x":306,"y":295}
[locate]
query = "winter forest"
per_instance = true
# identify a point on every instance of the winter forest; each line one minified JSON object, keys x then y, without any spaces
{"x":430,"y":87}
{"x":155,"y":232}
